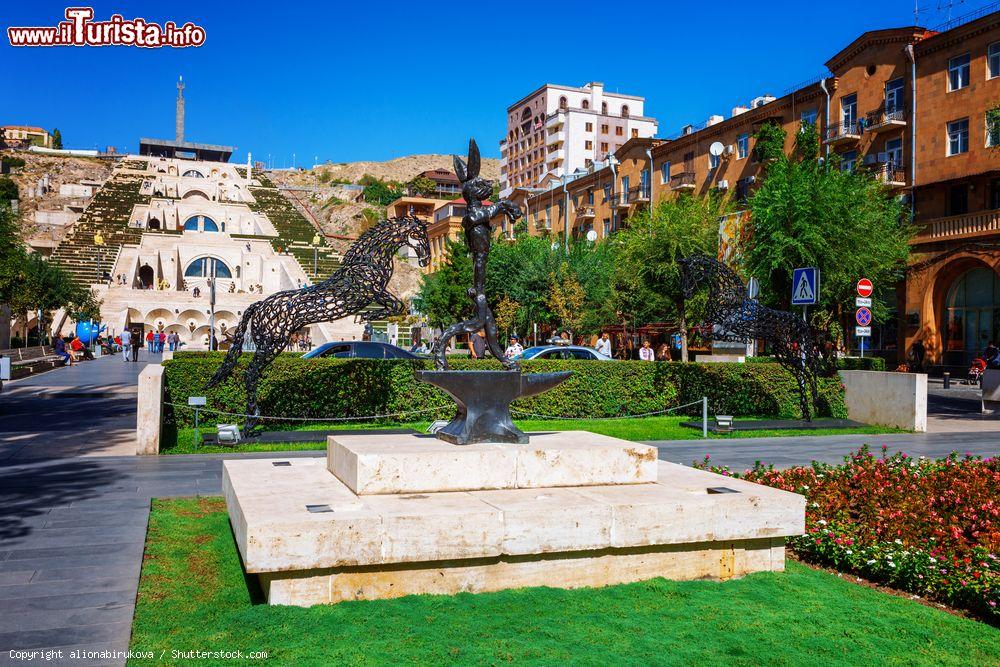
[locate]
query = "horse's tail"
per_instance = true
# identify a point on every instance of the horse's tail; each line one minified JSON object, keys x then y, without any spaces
{"x":235,"y":348}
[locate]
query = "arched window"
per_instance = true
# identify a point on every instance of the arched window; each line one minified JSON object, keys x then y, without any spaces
{"x":973,"y":315}
{"x":624,"y":111}
{"x":585,"y":104}
{"x":563,"y":103}
{"x":604,"y":108}
{"x":526,"y":114}
{"x":207,"y":267}
{"x":193,"y":173}
{"x":200,"y":223}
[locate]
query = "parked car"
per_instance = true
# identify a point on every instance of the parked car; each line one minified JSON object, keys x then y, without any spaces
{"x":563,"y":352}
{"x":358,"y":349}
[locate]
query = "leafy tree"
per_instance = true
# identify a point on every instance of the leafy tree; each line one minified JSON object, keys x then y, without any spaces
{"x":566,"y":298}
{"x":370,"y":217}
{"x":57,"y":139}
{"x":443,"y":296}
{"x":505,"y":314}
{"x":12,"y":257}
{"x":807,"y":213}
{"x":647,"y":280}
{"x":381,"y":193}
{"x":421,"y":186}
{"x":8,"y":190}
{"x":770,"y":144}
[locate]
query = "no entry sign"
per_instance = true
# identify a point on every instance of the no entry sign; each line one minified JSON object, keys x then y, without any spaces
{"x":865,"y":287}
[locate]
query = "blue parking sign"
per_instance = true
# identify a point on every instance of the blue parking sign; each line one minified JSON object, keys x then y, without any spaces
{"x":805,"y":286}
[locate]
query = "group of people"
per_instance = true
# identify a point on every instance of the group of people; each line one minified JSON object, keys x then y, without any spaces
{"x":302,"y":342}
{"x":70,"y":350}
{"x":156,"y":340}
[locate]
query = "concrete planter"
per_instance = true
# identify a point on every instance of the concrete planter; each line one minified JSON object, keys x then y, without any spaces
{"x":887,"y":399}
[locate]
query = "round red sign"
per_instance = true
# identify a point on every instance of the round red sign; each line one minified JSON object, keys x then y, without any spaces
{"x":865,"y":287}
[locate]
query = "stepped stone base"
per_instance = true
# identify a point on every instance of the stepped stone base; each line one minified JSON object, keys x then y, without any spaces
{"x":311,"y":539}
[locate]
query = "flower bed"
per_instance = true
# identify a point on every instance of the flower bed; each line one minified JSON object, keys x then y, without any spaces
{"x":930,"y":527}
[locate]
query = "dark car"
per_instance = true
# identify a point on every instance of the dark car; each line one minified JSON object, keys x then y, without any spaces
{"x":358,"y":349}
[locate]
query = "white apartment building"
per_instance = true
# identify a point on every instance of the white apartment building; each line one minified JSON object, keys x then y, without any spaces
{"x":558,"y":129}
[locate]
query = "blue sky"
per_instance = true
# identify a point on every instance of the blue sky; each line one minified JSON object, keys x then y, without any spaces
{"x":375,"y":80}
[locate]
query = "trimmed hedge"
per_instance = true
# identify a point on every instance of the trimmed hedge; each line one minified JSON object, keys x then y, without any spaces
{"x":843,"y":364}
{"x":337,"y":388}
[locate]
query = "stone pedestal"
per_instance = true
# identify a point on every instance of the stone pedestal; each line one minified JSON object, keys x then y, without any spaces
{"x":607,"y":513}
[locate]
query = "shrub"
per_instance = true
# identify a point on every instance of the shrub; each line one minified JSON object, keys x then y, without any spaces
{"x":843,"y":364}
{"x":920,"y":525}
{"x":339,"y":388}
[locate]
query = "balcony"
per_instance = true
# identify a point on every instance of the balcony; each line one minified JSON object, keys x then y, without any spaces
{"x":586,"y":212}
{"x":842,"y":133}
{"x":980,"y":223}
{"x":621,"y":200}
{"x":543,"y":225}
{"x":683,"y":181}
{"x":893,"y":175}
{"x":639,"y":195}
{"x":882,"y":120}
{"x":556,"y":156}
{"x":555,"y":121}
{"x":555,"y":139}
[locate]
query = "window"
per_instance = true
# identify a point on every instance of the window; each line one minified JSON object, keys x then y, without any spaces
{"x":625,"y":183}
{"x":665,"y":172}
{"x":894,"y":96}
{"x":207,"y":267}
{"x":995,"y":194}
{"x":586,"y":104}
{"x":607,"y":227}
{"x":604,"y":129}
{"x":604,"y":146}
{"x":590,"y":196}
{"x":993,"y":61}
{"x":604,"y":108}
{"x":993,"y":129}
{"x":958,"y":137}
{"x":808,"y":117}
{"x":588,"y":145}
{"x":848,"y":161}
{"x":713,"y":161}
{"x":619,"y":131}
{"x":958,"y":72}
{"x":193,"y":173}
{"x":341,"y":351}
{"x":635,"y":133}
{"x":624,"y":111}
{"x":849,"y":111}
{"x":743,"y":145}
{"x":742,"y":190}
{"x":894,"y":153}
{"x":590,"y":127}
{"x":369,"y":351}
{"x":607,"y":192}
{"x":200,"y":223}
{"x":563,"y":103}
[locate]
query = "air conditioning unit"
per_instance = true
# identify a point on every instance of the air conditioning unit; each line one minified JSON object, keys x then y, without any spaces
{"x":730,"y":149}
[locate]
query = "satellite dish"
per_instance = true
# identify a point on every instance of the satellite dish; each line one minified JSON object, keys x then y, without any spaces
{"x":716,"y":149}
{"x":591,"y":236}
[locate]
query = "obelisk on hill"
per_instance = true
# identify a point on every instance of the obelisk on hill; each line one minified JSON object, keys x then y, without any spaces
{"x":179,"y":121}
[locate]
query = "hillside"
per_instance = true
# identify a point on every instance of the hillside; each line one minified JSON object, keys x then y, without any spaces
{"x":399,"y":169}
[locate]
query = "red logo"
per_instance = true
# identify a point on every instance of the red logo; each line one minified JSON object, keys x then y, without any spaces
{"x":865,"y":287}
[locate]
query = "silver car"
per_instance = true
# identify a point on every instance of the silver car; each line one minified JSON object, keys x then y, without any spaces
{"x":578,"y":352}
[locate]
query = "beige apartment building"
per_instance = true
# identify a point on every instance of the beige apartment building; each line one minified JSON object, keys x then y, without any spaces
{"x":557,"y":130}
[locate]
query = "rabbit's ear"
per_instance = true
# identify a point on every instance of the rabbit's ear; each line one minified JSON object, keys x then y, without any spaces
{"x":459,"y":168}
{"x":474,"y":161}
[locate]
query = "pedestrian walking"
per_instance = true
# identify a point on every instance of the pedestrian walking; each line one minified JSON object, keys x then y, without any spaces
{"x":604,"y":344}
{"x":646,"y":352}
{"x":663,"y":353}
{"x":136,"y":344}
{"x":126,"y":341}
{"x":149,"y":341}
{"x":514,"y":350}
{"x":477,"y":345}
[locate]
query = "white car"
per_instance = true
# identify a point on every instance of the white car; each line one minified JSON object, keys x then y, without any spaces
{"x":578,"y":352}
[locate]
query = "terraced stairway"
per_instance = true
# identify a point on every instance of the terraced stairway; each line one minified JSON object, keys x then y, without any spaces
{"x":295,"y":233}
{"x":108,"y":213}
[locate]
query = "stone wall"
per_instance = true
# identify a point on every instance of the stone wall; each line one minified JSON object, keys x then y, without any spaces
{"x":887,"y":399}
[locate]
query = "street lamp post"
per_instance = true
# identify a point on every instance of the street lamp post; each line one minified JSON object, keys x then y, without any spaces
{"x":315,"y":245}
{"x":99,"y":242}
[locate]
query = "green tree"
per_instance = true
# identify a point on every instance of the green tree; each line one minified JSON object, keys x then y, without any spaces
{"x":808,"y":213}
{"x":647,"y":283}
{"x":57,"y":139}
{"x":421,"y":186}
{"x":770,"y":142}
{"x":12,"y":258}
{"x":443,"y":296}
{"x":8,"y":190}
{"x":566,"y":298}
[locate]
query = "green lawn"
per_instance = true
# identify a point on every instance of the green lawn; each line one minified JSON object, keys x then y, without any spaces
{"x":193,"y":595}
{"x":638,"y":429}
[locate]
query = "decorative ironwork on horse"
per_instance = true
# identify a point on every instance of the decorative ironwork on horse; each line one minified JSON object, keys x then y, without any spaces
{"x":360,"y":282}
{"x":478,"y":236}
{"x":805,"y":350}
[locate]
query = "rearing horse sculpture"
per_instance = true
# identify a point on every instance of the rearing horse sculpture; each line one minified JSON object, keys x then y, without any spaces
{"x":798,"y":346}
{"x":360,"y":282}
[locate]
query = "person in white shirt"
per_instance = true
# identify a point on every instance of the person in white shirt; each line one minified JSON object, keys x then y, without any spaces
{"x":604,"y":345}
{"x":126,"y":338}
{"x":646,"y":352}
{"x":514,"y":349}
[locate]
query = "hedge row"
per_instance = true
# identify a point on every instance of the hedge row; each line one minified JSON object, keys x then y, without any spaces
{"x":295,"y":387}
{"x":843,"y":364}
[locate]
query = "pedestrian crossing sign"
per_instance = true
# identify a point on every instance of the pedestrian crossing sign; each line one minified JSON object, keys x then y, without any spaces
{"x":805,"y":286}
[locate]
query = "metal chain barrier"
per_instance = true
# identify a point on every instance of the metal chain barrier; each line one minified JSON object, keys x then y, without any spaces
{"x":644,"y":414}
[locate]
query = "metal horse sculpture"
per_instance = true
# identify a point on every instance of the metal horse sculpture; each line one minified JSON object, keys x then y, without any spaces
{"x":798,"y":346}
{"x":360,"y":282}
{"x":478,"y":236}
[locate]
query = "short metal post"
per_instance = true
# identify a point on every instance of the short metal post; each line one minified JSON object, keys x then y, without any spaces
{"x":197,"y":433}
{"x":704,"y":416}
{"x":947,"y":380}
